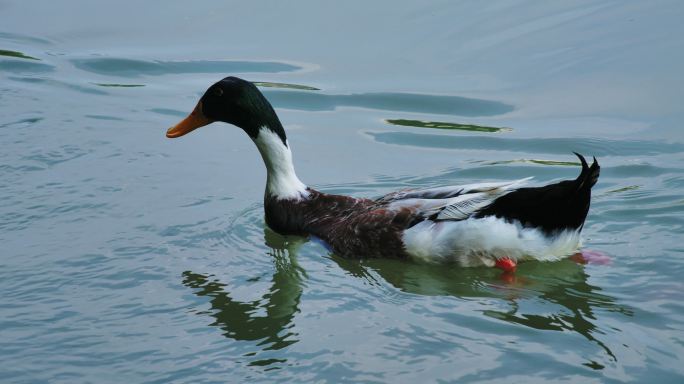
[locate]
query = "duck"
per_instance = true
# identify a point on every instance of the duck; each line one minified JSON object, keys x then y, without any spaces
{"x":491,"y":224}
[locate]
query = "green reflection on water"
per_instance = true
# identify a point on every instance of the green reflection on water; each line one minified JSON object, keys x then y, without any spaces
{"x":533,"y":161}
{"x":562,"y":286}
{"x":269,"y":84}
{"x":238,"y":319}
{"x":5,"y":52}
{"x":562,"y":283}
{"x":119,"y":85}
{"x":446,"y":125}
{"x":623,"y":189}
{"x":579,"y":301}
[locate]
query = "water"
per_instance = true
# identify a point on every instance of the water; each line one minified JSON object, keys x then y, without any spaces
{"x":128,"y":257}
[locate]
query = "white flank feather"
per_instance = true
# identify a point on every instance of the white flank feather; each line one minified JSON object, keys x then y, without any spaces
{"x":478,"y":242}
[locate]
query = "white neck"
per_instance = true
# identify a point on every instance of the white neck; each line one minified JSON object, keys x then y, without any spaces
{"x":281,"y":180}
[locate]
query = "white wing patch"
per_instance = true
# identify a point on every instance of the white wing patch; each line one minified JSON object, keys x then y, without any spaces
{"x":466,"y":205}
{"x":454,"y":202}
{"x":489,"y":187}
{"x":451,"y":191}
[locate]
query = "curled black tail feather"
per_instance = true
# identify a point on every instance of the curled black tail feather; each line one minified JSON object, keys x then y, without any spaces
{"x":583,"y":161}
{"x":594,"y":172}
{"x":589,"y":174}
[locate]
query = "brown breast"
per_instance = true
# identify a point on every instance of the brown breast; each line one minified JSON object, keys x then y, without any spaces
{"x":354,"y":228}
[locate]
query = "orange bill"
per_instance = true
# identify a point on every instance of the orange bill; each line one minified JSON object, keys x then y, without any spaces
{"x":194,"y":120}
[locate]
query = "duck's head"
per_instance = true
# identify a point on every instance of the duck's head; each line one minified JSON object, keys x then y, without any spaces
{"x":234,"y":101}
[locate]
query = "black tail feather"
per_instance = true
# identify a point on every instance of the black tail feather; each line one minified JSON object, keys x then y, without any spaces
{"x":551,"y":208}
{"x":594,"y":172}
{"x":589,"y":175}
{"x":583,"y":161}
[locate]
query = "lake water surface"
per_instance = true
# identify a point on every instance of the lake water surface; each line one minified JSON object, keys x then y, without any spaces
{"x":128,"y":257}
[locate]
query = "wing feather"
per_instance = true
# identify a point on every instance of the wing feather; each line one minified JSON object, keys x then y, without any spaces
{"x":466,"y":206}
{"x":453,"y":202}
{"x":449,"y":191}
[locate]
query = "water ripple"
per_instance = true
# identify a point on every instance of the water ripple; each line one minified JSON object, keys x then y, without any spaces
{"x":56,"y":156}
{"x":596,"y":147}
{"x":22,"y":66}
{"x":19,"y":38}
{"x":134,"y":68}
{"x":60,"y":84}
{"x":127,"y":253}
{"x":387,"y":101}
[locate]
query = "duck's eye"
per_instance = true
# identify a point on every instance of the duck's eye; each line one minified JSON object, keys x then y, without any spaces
{"x":217,"y":92}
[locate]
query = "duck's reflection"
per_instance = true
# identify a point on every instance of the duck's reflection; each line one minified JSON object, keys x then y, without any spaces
{"x":240,"y":320}
{"x":577,"y":300}
{"x":564,"y":285}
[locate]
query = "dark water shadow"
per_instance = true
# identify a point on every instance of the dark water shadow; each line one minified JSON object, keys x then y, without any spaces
{"x":595,"y":147}
{"x":240,"y":320}
{"x":388,"y":101}
{"x":24,"y":66}
{"x":134,"y":68}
